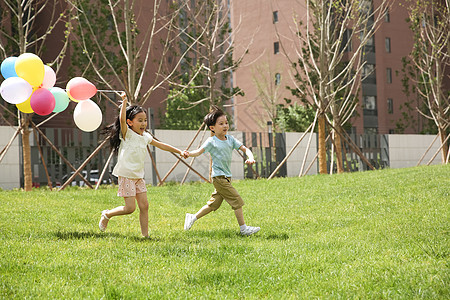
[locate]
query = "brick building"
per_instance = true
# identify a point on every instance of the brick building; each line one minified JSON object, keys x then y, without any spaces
{"x":269,"y":28}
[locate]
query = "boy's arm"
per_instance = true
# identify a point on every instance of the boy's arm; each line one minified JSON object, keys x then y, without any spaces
{"x":167,"y":147}
{"x":123,"y":115}
{"x":250,"y":159}
{"x":196,"y":153}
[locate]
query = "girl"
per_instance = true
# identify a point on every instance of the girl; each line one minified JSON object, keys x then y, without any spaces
{"x":129,"y":139}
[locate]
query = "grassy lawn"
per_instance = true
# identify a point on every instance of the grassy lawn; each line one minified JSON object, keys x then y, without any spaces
{"x":376,"y":235}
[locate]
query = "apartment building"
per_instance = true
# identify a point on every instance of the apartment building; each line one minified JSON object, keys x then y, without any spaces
{"x":267,"y":30}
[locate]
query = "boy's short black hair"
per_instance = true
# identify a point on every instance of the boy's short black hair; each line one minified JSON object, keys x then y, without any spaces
{"x":211,"y":118}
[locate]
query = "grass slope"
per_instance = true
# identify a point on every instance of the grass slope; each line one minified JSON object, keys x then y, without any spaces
{"x":379,"y":234}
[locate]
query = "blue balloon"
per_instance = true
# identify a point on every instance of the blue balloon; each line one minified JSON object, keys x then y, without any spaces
{"x":7,"y":67}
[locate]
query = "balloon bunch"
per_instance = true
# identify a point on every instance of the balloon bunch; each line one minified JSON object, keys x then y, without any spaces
{"x":29,"y":84}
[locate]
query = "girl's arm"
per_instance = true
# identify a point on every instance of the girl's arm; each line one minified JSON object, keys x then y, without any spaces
{"x":167,"y":147}
{"x":196,"y":153}
{"x":123,"y":115}
{"x":250,"y":159}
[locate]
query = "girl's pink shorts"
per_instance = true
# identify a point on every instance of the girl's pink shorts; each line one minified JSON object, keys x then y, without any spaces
{"x":130,"y":187}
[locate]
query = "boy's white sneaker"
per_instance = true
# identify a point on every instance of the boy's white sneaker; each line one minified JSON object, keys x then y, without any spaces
{"x":189,"y":221}
{"x":250,"y":230}
{"x":103,"y":221}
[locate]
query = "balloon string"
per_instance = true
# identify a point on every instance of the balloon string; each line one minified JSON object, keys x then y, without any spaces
{"x":115,"y":91}
{"x":110,"y":91}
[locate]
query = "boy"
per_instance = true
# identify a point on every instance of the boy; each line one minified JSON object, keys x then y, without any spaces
{"x":221,"y":147}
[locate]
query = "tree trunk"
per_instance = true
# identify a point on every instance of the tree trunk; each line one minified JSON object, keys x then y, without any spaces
{"x":444,"y":144}
{"x":322,"y":146}
{"x":338,"y":150}
{"x":28,"y":180}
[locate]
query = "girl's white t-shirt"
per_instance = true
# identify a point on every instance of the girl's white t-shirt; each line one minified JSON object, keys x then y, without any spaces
{"x":132,"y":153}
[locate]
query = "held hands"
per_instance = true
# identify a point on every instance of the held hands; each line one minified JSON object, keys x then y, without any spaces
{"x":250,"y":161}
{"x":184,"y":154}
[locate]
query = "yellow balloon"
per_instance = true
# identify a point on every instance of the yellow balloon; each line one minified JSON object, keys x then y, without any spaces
{"x":25,"y":107}
{"x":31,"y":68}
{"x":68,"y":93}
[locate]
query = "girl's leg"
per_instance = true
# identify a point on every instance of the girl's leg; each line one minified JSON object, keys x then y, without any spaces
{"x":143,"y":212}
{"x":239,"y":216}
{"x":129,"y":207}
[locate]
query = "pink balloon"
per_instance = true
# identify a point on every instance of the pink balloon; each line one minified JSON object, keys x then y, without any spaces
{"x":42,"y":102}
{"x":49,"y":78}
{"x":80,"y":88}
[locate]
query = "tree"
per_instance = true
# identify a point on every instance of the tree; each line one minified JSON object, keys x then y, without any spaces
{"x":430,"y":24}
{"x":25,"y":27}
{"x":294,"y":117}
{"x":331,"y":65}
{"x":179,"y":114}
{"x":206,"y":25}
{"x":131,"y":49}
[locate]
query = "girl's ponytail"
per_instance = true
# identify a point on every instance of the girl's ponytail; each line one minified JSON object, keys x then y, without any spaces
{"x":112,"y":132}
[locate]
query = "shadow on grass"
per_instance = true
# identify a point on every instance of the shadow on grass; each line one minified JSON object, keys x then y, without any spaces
{"x":145,"y":240}
{"x":232,"y":234}
{"x":216,"y":233}
{"x":76,"y":235}
{"x":211,"y":234}
{"x":277,"y":236}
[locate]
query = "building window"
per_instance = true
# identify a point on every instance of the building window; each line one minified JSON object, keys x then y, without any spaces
{"x":370,"y":106}
{"x":369,"y":46}
{"x":388,"y":45}
{"x":365,"y":6}
{"x":276,"y":47}
{"x":368,"y":74}
{"x":347,"y":40}
{"x":390,"y":106}
{"x":389,"y":75}
{"x":387,"y":16}
{"x":275,"y":17}
{"x":370,"y":130}
{"x":277,"y":79}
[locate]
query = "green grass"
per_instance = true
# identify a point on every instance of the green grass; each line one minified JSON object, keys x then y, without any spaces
{"x":372,"y":235}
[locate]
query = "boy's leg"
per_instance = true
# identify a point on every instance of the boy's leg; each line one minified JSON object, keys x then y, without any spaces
{"x":239,"y":216}
{"x":231,"y":195}
{"x":190,"y":218}
{"x":214,"y":203}
{"x":203,"y":211}
{"x":245,"y":230}
{"x":143,"y":212}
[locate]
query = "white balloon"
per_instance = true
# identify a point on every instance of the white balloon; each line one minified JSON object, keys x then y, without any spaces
{"x":87,"y":115}
{"x":49,"y":77}
{"x":15,"y":90}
